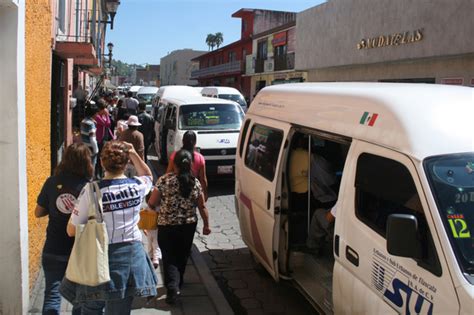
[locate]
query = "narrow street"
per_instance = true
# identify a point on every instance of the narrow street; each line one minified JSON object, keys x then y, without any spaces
{"x":248,"y":288}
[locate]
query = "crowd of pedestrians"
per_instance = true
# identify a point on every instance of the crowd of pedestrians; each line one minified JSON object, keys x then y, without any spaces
{"x":115,"y":135}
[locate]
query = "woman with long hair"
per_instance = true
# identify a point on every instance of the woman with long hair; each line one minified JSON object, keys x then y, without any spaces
{"x":131,"y":271}
{"x":178,"y":194}
{"x":198,"y":165}
{"x":103,"y":133}
{"x":56,"y":200}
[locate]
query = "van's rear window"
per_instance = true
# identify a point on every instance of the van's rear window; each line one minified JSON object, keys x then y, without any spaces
{"x":210,"y":116}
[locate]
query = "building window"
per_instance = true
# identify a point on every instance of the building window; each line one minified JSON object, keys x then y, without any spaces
{"x":61,"y":18}
{"x":262,"y":49}
{"x":232,"y":56}
{"x":280,"y":50}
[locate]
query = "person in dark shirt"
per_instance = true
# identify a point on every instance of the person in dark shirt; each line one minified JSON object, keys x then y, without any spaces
{"x":57,"y":200}
{"x":147,"y":128}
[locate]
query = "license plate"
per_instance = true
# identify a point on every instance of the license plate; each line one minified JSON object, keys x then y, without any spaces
{"x":224,"y":169}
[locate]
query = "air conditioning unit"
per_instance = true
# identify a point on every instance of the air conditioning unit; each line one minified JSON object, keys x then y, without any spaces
{"x":268,"y":65}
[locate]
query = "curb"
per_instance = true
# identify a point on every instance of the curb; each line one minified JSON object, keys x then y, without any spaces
{"x":215,"y":293}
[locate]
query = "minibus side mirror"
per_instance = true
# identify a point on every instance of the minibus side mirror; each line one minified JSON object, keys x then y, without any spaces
{"x":402,"y":236}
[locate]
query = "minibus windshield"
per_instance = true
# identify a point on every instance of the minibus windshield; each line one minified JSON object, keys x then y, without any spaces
{"x":146,"y":98}
{"x":452,"y":181}
{"x":234,"y":97}
{"x":210,"y":117}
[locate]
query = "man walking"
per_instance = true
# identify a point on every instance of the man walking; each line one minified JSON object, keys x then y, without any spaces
{"x":78,"y":112}
{"x":135,"y":137}
{"x":147,"y":128}
{"x":131,"y":103}
{"x":88,"y":131}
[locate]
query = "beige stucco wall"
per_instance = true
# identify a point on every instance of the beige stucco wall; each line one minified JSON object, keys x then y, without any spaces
{"x":176,"y":68}
{"x":439,"y":68}
{"x":38,"y":21}
{"x":328,"y":34}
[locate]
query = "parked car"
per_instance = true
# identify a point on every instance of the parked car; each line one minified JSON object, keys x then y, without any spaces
{"x":400,"y":172}
{"x":167,"y":91}
{"x":227,"y":93}
{"x":134,"y":89}
{"x":216,"y":123}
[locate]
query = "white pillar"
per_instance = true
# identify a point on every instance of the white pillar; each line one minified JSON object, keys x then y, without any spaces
{"x":14,"y":283}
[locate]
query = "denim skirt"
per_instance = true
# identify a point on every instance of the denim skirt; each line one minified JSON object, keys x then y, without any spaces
{"x":131,"y":274}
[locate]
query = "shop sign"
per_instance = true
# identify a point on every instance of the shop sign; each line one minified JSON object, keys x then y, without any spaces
{"x":453,"y":81}
{"x":295,"y":75}
{"x":279,"y":39}
{"x":391,"y":40}
{"x":279,"y":76}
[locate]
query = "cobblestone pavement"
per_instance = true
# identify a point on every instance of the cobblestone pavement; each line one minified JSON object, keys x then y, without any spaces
{"x":248,"y":288}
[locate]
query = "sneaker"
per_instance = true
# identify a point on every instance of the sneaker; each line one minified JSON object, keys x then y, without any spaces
{"x":172,"y":297}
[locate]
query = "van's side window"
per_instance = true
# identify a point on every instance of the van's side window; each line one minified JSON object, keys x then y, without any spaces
{"x":263,"y":149}
{"x":244,"y":135}
{"x":173,"y":115}
{"x":384,"y":187}
{"x":159,"y":111}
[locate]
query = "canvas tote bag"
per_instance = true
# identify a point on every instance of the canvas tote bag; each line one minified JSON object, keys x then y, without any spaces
{"x":89,"y":260}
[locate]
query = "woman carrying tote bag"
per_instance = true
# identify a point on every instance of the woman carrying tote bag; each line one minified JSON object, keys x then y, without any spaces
{"x":131,"y":271}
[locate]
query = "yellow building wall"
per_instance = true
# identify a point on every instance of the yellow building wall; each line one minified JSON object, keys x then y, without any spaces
{"x":38,"y":19}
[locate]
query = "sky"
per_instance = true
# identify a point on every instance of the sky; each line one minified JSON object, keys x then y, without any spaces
{"x":147,"y":30}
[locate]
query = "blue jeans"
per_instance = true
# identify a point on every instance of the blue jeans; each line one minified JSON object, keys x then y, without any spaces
{"x":112,"y":307}
{"x":131,"y":272}
{"x":54,"y":267}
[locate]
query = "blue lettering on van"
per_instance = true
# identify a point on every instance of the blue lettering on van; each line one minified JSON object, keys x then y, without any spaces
{"x":225,"y":141}
{"x":404,"y":296}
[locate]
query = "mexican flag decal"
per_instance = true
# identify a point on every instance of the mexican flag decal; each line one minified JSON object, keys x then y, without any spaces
{"x":368,"y":119}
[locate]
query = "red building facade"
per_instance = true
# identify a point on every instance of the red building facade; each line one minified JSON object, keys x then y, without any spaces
{"x":226,"y":65}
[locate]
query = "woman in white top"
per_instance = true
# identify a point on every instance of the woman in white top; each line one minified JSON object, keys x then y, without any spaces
{"x":131,"y":271}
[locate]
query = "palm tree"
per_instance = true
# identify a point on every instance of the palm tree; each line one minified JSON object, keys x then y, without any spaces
{"x":210,"y":41}
{"x":219,"y":38}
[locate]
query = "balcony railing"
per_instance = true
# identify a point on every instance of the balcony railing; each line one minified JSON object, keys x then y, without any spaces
{"x":79,"y":30}
{"x":230,"y":67}
{"x":284,"y":62}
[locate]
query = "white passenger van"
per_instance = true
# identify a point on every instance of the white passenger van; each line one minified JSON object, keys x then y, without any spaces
{"x":399,"y":161}
{"x":134,"y":89}
{"x":225,"y":92}
{"x":216,"y":123}
{"x":158,"y":106}
{"x":145,"y":94}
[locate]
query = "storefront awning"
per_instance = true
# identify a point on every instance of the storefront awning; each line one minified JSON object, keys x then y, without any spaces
{"x":96,"y":71}
{"x":279,"y":39}
{"x":84,"y":54}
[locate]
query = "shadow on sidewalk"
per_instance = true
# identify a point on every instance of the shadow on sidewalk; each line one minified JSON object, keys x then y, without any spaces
{"x":249,"y":288}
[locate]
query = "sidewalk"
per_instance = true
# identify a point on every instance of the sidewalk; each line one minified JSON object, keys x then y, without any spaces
{"x":200,"y":294}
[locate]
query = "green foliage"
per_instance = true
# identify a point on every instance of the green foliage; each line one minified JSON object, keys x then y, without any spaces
{"x":213,"y":40}
{"x":123,"y":68}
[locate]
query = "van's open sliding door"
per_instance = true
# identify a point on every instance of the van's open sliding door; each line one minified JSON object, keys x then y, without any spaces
{"x":258,"y":190}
